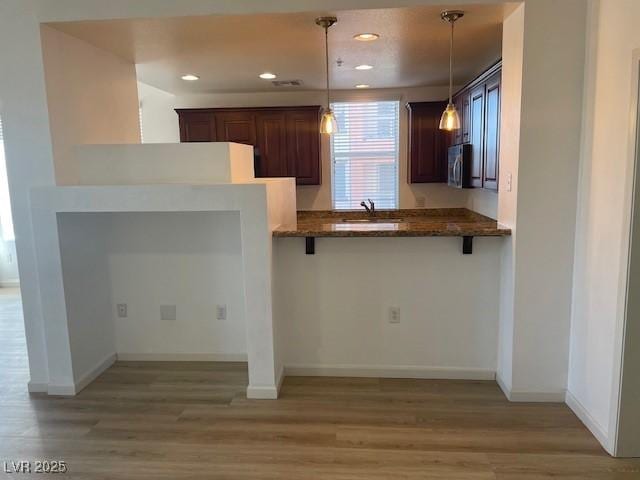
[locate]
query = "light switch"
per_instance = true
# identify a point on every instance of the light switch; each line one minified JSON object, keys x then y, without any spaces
{"x":394,"y":315}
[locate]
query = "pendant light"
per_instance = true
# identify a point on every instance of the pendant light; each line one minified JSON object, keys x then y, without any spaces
{"x":328,"y":122}
{"x":450,"y":119}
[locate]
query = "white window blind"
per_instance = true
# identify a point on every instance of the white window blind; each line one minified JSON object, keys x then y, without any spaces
{"x":364,"y":154}
{"x":6,"y":222}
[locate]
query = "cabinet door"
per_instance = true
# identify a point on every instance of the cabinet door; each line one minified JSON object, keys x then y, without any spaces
{"x":303,"y":146}
{"x":476,"y":133}
{"x":239,"y":127}
{"x":272,"y":144}
{"x":427,"y":143}
{"x":197,"y":127}
{"x":457,"y":134}
{"x":466,"y":115}
{"x":492,"y":133}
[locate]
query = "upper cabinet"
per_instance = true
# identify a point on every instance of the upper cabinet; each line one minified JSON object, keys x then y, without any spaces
{"x":476,"y":133}
{"x":271,"y":143}
{"x":286,"y":139}
{"x":238,"y":127}
{"x":427,"y":143}
{"x":303,"y":145}
{"x":197,"y":127}
{"x":479,"y":107}
{"x":492,"y":132}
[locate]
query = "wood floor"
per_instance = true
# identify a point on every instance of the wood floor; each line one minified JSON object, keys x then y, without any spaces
{"x":193,"y":421}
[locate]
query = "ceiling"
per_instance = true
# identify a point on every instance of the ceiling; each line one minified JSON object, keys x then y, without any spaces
{"x":229,"y":52}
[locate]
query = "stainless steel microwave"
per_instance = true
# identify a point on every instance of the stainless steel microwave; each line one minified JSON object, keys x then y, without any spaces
{"x":460,"y":166}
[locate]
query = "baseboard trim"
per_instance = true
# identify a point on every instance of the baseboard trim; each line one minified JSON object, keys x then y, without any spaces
{"x":524,"y":396}
{"x":262,"y":392}
{"x":69,"y":390}
{"x":537,"y":397}
{"x":503,"y":386}
{"x":280,"y":378}
{"x":585,"y":417}
{"x":37,"y":387}
{"x":61,"y":390}
{"x":10,"y":284}
{"x":386,"y":371}
{"x":182,"y":357}
{"x":95,"y":372}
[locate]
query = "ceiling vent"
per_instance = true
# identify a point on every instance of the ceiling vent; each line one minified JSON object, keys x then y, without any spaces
{"x":287,"y":83}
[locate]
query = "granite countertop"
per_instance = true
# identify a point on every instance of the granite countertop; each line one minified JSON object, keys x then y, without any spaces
{"x":439,"y":222}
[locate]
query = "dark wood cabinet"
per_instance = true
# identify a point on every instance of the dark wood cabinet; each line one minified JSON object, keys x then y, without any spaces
{"x":492,"y":133}
{"x":465,"y":101}
{"x":427,"y":143}
{"x":479,"y":109}
{"x":476,"y":133}
{"x":457,"y":134}
{"x":197,"y":127}
{"x":238,"y":127}
{"x":271,"y":143}
{"x":303,"y":146}
{"x":286,"y":139}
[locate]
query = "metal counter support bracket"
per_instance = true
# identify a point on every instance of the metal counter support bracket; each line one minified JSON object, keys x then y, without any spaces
{"x":310,"y":245}
{"x":467,"y":245}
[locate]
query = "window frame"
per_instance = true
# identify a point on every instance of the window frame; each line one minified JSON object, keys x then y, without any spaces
{"x":396,"y":182}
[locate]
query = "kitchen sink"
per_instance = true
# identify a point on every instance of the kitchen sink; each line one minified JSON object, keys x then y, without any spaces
{"x":372,"y":220}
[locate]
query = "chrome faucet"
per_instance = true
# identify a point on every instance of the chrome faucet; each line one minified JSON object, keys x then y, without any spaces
{"x":371,"y":209}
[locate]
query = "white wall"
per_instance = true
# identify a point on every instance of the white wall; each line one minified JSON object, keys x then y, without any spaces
{"x":158,"y":118}
{"x":92,"y":97}
{"x":332,"y":307}
{"x":83,"y":239}
{"x":547,"y":170}
{"x":25,"y":123}
{"x":319,"y":197}
{"x":511,"y":90}
{"x":163,"y":163}
{"x":604,"y":214}
{"x":191,"y":260}
{"x":8,"y":263}
{"x":261,"y":205}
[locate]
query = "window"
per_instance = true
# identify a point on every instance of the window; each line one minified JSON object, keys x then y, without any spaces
{"x":140,"y":122}
{"x":6,"y":222}
{"x":364,"y":154}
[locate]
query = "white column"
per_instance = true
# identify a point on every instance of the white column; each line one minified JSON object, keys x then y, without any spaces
{"x":23,"y":107}
{"x":541,"y":150}
{"x":256,"y":257}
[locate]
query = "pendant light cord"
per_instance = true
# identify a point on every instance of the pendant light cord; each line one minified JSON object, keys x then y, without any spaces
{"x":451,"y":63}
{"x":326,"y":56}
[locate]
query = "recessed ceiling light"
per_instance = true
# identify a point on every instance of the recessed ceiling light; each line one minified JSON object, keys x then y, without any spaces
{"x":267,"y":76}
{"x":366,"y":37}
{"x":362,"y":85}
{"x":364,"y":67}
{"x":190,"y":77}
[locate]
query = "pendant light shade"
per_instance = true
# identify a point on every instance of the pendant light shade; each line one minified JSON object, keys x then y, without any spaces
{"x":450,"y":119}
{"x":328,"y":123}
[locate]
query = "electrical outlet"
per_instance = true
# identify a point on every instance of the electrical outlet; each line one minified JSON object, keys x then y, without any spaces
{"x":122,"y":310}
{"x":221,"y":312}
{"x":394,"y":315}
{"x":167,"y":312}
{"x":509,"y":181}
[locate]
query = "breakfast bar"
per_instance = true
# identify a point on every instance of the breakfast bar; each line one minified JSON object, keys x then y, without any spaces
{"x":439,"y":222}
